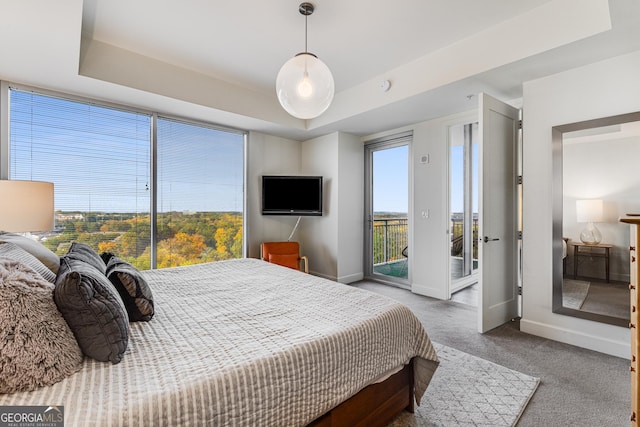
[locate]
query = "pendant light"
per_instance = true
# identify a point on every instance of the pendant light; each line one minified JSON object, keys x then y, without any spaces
{"x":304,"y":84}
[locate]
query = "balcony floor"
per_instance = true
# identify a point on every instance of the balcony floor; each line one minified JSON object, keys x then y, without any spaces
{"x":393,"y":269}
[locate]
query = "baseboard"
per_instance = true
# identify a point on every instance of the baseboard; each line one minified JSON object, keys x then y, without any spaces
{"x":350,"y":278}
{"x":324,"y":276}
{"x":592,"y":342}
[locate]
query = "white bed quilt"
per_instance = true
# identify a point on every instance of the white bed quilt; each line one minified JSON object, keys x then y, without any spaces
{"x":243,"y":343}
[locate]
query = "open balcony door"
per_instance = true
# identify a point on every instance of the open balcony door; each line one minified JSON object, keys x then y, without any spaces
{"x":498,"y":207}
{"x":387,"y":209}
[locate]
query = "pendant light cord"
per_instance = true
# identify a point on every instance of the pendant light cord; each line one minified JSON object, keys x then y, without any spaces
{"x":305,"y":33}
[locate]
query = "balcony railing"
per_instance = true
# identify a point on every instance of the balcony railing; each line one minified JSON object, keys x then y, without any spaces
{"x":389,"y":239}
{"x":457,"y":236}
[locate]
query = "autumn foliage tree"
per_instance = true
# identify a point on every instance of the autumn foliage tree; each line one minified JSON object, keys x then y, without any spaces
{"x":182,"y":238}
{"x":182,"y":249}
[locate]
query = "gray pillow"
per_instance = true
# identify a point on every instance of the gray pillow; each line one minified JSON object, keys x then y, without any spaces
{"x":132,"y":287}
{"x":37,"y":348}
{"x":93,"y":309}
{"x":15,"y":252}
{"x":42,"y":253}
{"x":85,"y":253}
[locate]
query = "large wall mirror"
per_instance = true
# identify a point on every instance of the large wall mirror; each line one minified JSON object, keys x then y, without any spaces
{"x":595,"y":182}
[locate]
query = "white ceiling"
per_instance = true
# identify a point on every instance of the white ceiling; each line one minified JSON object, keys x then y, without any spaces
{"x":217,"y":61}
{"x":246,"y":42}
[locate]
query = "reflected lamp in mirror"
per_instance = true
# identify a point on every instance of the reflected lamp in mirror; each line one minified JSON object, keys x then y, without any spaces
{"x":589,"y":211}
{"x":26,"y":206}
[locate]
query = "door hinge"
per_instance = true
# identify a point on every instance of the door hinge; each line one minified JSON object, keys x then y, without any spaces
{"x":519,"y":290}
{"x":520,"y":179}
{"x":519,"y":124}
{"x":519,"y":235}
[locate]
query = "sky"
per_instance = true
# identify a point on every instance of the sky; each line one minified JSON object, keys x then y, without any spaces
{"x":99,"y":158}
{"x":391,"y":180}
{"x":456,"y":183}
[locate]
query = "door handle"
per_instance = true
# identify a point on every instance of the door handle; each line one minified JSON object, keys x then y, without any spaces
{"x":487,"y":239}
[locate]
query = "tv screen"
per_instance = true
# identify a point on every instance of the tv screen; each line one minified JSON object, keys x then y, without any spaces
{"x":291,"y":195}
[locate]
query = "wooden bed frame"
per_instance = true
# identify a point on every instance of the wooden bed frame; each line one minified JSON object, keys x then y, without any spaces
{"x":375,"y":405}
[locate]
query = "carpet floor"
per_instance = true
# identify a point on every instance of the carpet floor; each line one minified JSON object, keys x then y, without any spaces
{"x":578,"y":387}
{"x":470,"y":391}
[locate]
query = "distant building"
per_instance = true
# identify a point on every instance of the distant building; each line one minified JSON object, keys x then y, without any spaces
{"x":68,"y":217}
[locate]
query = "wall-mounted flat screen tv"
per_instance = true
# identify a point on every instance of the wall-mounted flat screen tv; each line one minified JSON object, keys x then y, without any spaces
{"x":291,"y":195}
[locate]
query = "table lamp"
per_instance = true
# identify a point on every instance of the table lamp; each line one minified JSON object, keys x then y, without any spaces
{"x":26,"y":206}
{"x":589,"y":211}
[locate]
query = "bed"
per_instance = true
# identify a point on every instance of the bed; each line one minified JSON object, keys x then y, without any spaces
{"x":245,"y":342}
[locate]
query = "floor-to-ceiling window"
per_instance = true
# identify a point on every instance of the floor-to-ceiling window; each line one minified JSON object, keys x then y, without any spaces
{"x":119,"y":174}
{"x":200,"y":193}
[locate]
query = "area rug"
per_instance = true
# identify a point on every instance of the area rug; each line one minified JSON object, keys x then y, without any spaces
{"x":469,"y":391}
{"x":574,"y":292}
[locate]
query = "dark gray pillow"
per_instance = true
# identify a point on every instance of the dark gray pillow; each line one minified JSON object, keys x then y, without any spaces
{"x":15,"y":252}
{"x":132,"y":287}
{"x":37,"y":249}
{"x":93,"y":309}
{"x":85,"y":253}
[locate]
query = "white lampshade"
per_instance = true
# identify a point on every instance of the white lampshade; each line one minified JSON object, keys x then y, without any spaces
{"x":26,"y":206}
{"x":589,"y":210}
{"x":305,"y":86}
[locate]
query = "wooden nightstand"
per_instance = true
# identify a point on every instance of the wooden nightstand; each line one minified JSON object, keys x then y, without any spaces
{"x":597,"y":251}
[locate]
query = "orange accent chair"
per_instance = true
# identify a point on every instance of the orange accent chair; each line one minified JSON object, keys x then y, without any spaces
{"x":284,"y":253}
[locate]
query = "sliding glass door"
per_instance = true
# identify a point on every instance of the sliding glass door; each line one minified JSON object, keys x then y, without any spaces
{"x":387,"y":207}
{"x":463,"y":204}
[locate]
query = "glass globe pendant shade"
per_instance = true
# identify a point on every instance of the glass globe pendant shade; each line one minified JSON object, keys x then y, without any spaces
{"x":305,"y":86}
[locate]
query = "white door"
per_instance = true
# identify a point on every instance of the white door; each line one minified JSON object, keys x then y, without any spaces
{"x":498,"y":251}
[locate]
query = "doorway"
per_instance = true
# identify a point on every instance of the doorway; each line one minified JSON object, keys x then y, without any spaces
{"x":498,"y":213}
{"x":463,"y":211}
{"x":387,"y":256}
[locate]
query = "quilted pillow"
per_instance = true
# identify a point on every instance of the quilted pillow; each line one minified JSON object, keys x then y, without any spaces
{"x":85,"y":253}
{"x":37,"y":348}
{"x":288,"y":260}
{"x":15,"y":252}
{"x":131,"y":286}
{"x":93,"y":309}
{"x":42,"y":253}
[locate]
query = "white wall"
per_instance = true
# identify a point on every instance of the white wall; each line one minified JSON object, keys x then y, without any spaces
{"x":320,"y":234}
{"x":598,"y":90}
{"x":351,"y":207}
{"x":334,"y":242}
{"x":267,"y":155}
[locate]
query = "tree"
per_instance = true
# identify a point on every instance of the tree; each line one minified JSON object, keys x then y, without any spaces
{"x":182,"y":249}
{"x":107,"y":247}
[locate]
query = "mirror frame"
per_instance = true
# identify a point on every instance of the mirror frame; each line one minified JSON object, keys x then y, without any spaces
{"x":557,"y":133}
